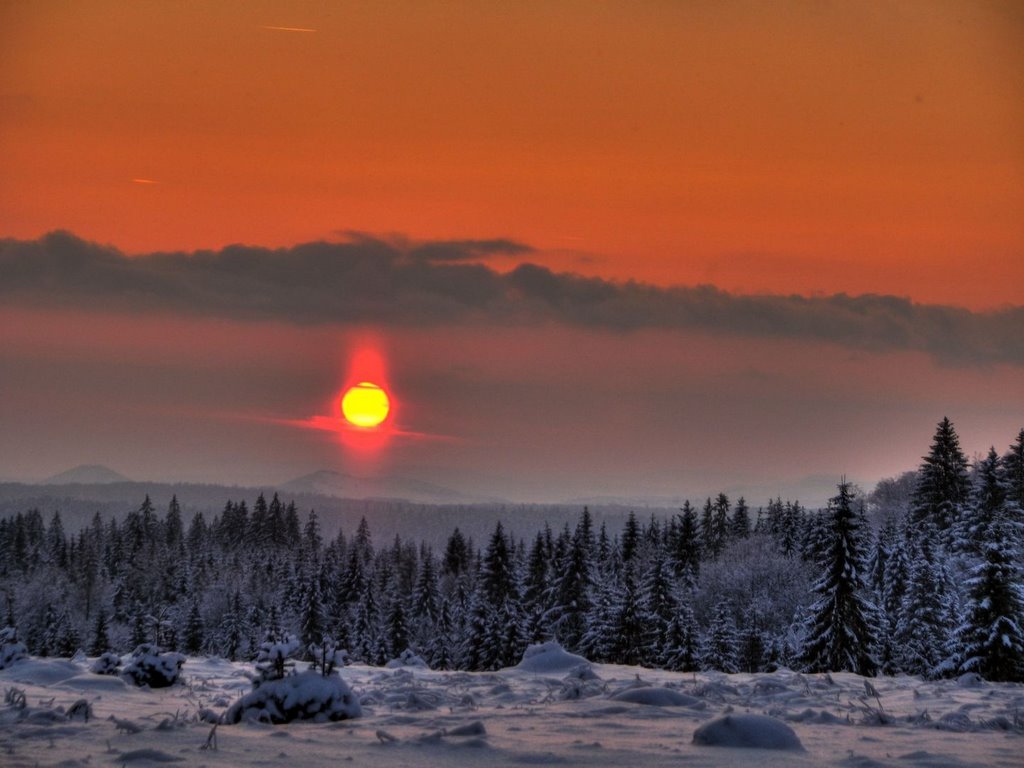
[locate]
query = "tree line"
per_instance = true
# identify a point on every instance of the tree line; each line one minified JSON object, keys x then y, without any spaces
{"x":934,"y":590}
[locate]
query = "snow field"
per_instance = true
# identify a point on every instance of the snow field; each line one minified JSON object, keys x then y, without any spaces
{"x":567,"y":713}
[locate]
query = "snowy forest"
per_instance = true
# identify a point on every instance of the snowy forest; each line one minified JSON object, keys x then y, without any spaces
{"x":931,"y":589}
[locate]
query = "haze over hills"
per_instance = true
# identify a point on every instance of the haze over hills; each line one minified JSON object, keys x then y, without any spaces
{"x":328,"y":482}
{"x":91,"y":474}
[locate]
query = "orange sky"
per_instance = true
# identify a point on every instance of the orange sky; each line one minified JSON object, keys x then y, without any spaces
{"x":810,"y":148}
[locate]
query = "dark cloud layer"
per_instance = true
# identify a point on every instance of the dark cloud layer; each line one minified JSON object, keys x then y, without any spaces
{"x":372,"y":280}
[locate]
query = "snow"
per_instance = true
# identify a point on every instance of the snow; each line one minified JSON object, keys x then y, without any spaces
{"x":304,"y":696}
{"x":757,"y":731}
{"x":548,"y":659}
{"x":516,"y":716}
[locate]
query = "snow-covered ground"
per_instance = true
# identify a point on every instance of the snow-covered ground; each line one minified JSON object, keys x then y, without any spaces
{"x":548,"y":712}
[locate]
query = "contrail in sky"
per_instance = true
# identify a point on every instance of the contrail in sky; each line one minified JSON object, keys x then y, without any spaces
{"x":289,"y":29}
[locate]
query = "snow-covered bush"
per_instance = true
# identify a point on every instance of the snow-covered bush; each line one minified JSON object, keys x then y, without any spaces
{"x":11,"y":649}
{"x":273,"y":661}
{"x":151,"y":667}
{"x":107,"y":664}
{"x":327,"y":655}
{"x":306,"y":695}
{"x":280,"y":695}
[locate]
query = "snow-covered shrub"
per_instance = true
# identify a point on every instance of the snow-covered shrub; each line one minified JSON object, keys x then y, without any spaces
{"x":11,"y":648}
{"x":303,"y":696}
{"x":107,"y":664}
{"x":281,"y":695}
{"x":151,"y":667}
{"x":273,"y":661}
{"x":327,"y":655}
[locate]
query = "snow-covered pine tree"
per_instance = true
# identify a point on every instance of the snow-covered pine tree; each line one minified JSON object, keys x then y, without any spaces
{"x":720,"y":645}
{"x":893,"y":589}
{"x":572,"y":589}
{"x":840,"y":632}
{"x":686,"y":553}
{"x":194,"y":630}
{"x":1013,"y":465}
{"x":658,"y":607}
{"x":924,"y":624}
{"x":943,"y":485}
{"x":100,"y":643}
{"x":682,"y":645}
{"x":628,"y":629}
{"x":739,"y":526}
{"x":991,"y":638}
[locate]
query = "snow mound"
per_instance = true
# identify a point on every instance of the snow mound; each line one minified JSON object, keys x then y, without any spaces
{"x":35,"y":671}
{"x":303,"y":696}
{"x":655,"y":696}
{"x":407,"y":659}
{"x":758,"y":731}
{"x":151,"y":667}
{"x":549,"y":658}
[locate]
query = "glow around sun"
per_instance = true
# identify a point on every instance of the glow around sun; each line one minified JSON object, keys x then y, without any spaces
{"x":365,"y":405}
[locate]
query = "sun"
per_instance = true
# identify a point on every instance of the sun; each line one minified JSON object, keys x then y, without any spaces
{"x":365,"y":405}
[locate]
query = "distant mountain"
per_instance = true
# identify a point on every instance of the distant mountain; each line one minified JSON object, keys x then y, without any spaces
{"x":86,"y":474}
{"x":327,"y":482}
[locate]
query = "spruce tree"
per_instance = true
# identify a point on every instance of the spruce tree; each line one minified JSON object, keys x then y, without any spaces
{"x":100,"y":639}
{"x":720,"y":646}
{"x":924,"y":625}
{"x":943,"y":485}
{"x":991,"y":637}
{"x":840,"y":633}
{"x":1013,"y":465}
{"x":739,"y":527}
{"x":194,"y":630}
{"x":686,"y":554}
{"x":682,"y":646}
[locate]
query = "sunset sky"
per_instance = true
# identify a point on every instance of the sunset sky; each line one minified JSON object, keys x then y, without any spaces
{"x":636,"y":249}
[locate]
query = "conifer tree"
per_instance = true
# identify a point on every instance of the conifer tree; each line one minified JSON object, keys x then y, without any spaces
{"x":100,"y":638}
{"x":194,"y":630}
{"x":924,"y":624}
{"x":739,"y":528}
{"x":686,"y":554}
{"x":991,"y":637}
{"x":839,"y":632}
{"x":943,"y":486}
{"x":628,"y":644}
{"x":1013,"y":465}
{"x":682,"y":646}
{"x":720,"y":647}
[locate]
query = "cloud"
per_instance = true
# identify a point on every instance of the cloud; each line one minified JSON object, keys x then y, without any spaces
{"x":396,"y":282}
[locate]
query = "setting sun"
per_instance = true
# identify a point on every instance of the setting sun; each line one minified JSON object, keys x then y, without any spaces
{"x":365,"y":405}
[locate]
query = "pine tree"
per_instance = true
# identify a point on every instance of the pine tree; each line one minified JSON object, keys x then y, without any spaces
{"x":312,"y":627}
{"x":739,"y":528}
{"x":572,"y":590}
{"x":924,"y":624}
{"x":194,"y":630}
{"x":1013,"y":465}
{"x":100,"y":638}
{"x":840,"y":633}
{"x":686,"y":553}
{"x":943,"y":485}
{"x":720,"y":647}
{"x":628,"y":644}
{"x":682,"y":647}
{"x":630,"y":538}
{"x":991,"y":637}
{"x":658,"y":608}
